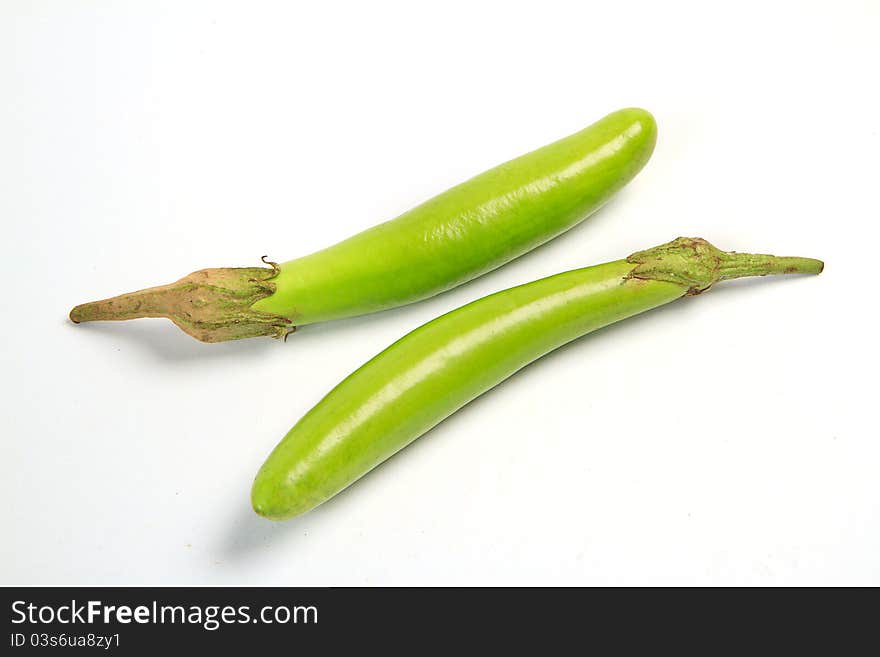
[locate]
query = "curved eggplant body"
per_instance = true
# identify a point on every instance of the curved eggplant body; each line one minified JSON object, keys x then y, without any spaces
{"x":433,"y":371}
{"x":469,"y":229}
{"x":456,"y":236}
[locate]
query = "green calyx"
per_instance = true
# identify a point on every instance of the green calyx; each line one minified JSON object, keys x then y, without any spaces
{"x":698,"y":265}
{"x":211,"y":305}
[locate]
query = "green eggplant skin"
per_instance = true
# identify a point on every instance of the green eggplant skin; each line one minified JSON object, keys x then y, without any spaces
{"x":436,"y":369}
{"x":469,"y":229}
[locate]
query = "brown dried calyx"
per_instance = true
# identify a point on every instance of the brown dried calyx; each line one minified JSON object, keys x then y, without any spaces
{"x":211,"y":305}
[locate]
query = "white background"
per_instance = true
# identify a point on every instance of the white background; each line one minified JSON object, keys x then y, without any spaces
{"x":726,"y":439}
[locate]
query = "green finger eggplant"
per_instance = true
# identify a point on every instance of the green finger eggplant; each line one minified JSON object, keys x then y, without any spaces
{"x":463,"y":233}
{"x":436,"y":369}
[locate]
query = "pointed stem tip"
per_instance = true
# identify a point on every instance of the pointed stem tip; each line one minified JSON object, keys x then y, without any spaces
{"x":151,"y":302}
